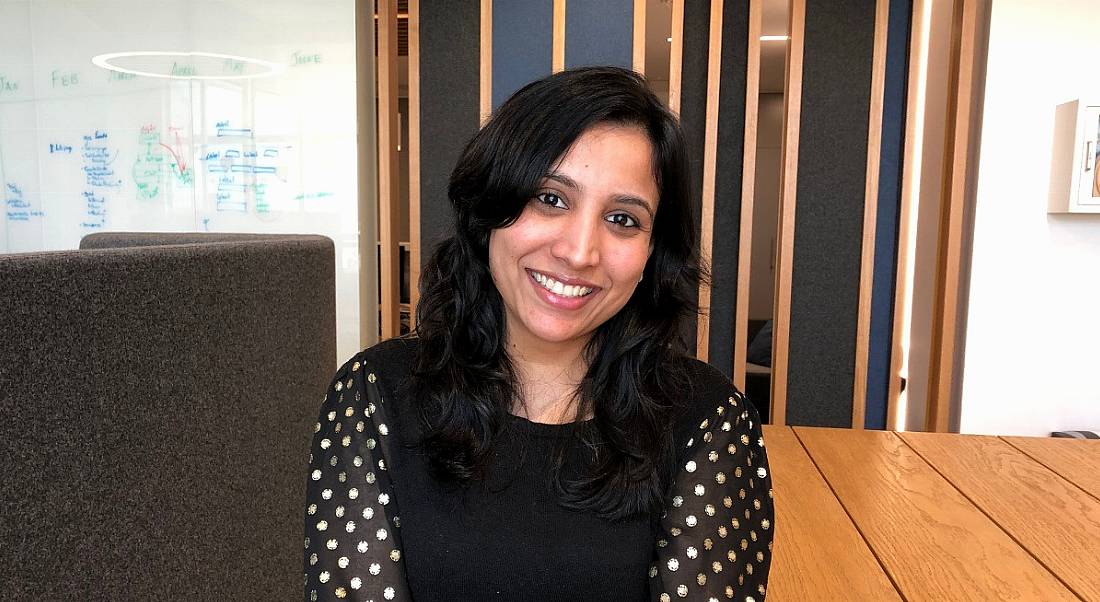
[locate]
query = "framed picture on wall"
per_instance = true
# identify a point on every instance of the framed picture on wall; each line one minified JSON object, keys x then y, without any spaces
{"x":1075,"y":168}
{"x":1094,"y":115}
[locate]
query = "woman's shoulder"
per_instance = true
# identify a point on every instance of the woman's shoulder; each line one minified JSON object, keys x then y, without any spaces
{"x":703,"y":375}
{"x":374,"y":384}
{"x":704,"y":383}
{"x":385,"y":369}
{"x":707,"y":389}
{"x":393,"y":355}
{"x":388,"y":359}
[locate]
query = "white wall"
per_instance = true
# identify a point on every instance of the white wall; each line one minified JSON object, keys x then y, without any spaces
{"x":1032,"y":362}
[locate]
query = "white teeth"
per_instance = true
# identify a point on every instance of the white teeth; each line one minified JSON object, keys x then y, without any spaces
{"x":561,"y":289}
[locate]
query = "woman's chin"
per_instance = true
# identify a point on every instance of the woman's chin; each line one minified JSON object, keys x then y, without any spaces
{"x":561,"y":334}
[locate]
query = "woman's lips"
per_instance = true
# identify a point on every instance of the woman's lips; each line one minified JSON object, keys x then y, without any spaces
{"x":560,"y":301}
{"x":563,"y":279}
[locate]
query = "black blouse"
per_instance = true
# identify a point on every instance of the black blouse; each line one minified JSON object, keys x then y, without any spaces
{"x":379,"y":527}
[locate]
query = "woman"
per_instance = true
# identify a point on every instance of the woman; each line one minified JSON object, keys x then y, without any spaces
{"x":542,"y":435}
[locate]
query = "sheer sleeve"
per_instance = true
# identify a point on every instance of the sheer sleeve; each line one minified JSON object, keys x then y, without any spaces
{"x":352,"y":542}
{"x":716,"y":534}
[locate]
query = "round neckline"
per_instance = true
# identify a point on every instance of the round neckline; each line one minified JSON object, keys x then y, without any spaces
{"x":545,"y":429}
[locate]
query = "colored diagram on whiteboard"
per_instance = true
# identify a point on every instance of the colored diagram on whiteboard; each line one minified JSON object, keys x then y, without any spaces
{"x":242,"y":174}
{"x":19,"y":209}
{"x":100,"y":179}
{"x":158,"y":162}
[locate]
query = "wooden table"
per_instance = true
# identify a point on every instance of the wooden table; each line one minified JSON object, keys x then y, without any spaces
{"x":877,"y":515}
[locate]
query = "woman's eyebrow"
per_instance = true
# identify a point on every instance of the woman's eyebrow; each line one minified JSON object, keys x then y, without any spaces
{"x":626,"y":199}
{"x":564,"y":180}
{"x":622,"y":199}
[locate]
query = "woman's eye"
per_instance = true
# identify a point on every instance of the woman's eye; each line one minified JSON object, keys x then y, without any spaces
{"x":551,"y":199}
{"x":623,"y":219}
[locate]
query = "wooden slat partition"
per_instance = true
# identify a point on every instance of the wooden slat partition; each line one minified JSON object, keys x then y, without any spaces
{"x":837,"y":52}
{"x":870,"y":213}
{"x":388,"y":231}
{"x":818,"y":552}
{"x":1071,"y":458}
{"x":691,"y":101}
{"x":558,"y":61}
{"x":486,"y":58}
{"x":894,"y":498}
{"x":964,"y":128}
{"x":414,"y":160}
{"x":891,"y":171}
{"x":726,"y":212}
{"x":710,"y":157}
{"x":784,"y":256}
{"x":676,"y":56}
{"x":748,"y":191}
{"x":906,"y":228}
{"x":367,"y":171}
{"x":638,"y":63}
{"x":884,"y":277}
{"x":1056,"y":521}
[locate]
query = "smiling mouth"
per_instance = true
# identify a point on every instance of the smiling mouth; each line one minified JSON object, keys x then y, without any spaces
{"x":562,"y":290}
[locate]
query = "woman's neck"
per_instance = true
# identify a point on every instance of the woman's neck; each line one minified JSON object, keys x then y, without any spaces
{"x":549,"y":376}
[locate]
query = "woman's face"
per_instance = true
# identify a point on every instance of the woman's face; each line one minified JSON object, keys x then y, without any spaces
{"x":575,"y":255}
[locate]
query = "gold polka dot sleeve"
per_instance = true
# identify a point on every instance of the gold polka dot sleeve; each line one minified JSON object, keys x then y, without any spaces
{"x":352,"y":542}
{"x":716,"y":534}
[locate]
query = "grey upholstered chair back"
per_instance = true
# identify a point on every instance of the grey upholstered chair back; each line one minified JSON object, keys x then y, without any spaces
{"x":155,"y":412}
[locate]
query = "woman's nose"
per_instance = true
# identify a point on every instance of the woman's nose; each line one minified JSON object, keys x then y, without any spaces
{"x":577,"y":242}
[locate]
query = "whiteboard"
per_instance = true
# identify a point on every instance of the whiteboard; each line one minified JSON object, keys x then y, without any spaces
{"x":255,"y":134}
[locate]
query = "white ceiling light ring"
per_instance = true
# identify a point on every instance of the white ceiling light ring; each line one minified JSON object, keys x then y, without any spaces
{"x":104,"y":61}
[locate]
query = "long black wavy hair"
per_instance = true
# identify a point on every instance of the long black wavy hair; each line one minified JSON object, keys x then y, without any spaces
{"x":465,"y":382}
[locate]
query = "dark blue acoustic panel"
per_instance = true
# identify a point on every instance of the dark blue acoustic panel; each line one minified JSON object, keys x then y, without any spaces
{"x":729,"y":164}
{"x":889,"y":201}
{"x":693,"y":109}
{"x":523,"y":44}
{"x":599,"y":32}
{"x":832,"y":180}
{"x":449,"y":98}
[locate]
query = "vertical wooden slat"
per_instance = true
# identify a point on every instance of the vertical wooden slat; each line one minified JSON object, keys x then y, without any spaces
{"x":414,"y":160}
{"x":388,"y":232}
{"x":367,"y":168}
{"x":676,"y":57}
{"x":486,"y":91}
{"x":967,"y":41}
{"x":944,"y":310}
{"x":788,"y":197}
{"x":710,"y":160}
{"x":914,"y":105}
{"x":748,"y":183}
{"x":639,"y":36}
{"x":870,"y":213}
{"x":558,"y":61}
